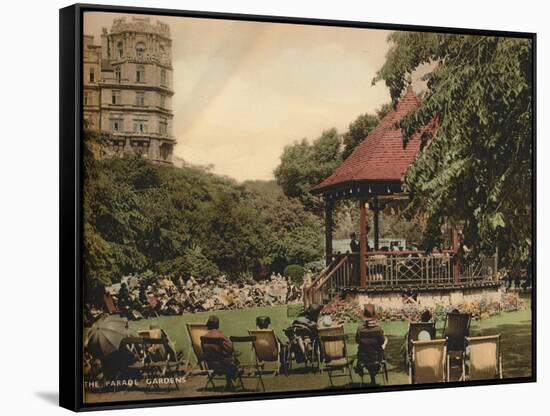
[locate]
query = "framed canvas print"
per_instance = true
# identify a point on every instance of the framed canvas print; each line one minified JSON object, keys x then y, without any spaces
{"x":256,"y":207}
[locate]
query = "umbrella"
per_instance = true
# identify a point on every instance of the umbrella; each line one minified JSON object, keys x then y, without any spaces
{"x":106,"y":334}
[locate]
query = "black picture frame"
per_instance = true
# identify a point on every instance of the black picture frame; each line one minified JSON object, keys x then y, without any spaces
{"x":70,"y":182}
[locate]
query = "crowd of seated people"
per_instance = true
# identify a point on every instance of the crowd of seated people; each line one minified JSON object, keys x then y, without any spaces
{"x":303,"y":342}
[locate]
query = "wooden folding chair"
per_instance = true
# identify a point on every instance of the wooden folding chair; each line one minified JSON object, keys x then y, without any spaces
{"x":484,"y":359}
{"x":217,"y":364}
{"x":267,"y":348}
{"x":334,"y":353}
{"x":160,"y":359}
{"x":415,"y":328}
{"x":456,"y":328}
{"x":250,"y":369}
{"x":429,"y":363}
{"x":195,"y":332}
{"x":214,"y":361}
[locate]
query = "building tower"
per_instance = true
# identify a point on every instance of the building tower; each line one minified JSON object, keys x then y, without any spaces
{"x":131,"y":96}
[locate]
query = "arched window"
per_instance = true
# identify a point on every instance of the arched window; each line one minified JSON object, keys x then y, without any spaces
{"x":120,"y":49}
{"x":118,"y":74}
{"x":140,"y":74}
{"x":140,"y":49}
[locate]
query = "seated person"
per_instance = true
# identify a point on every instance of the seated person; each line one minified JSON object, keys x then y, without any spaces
{"x":371,"y":344}
{"x":425,"y":317}
{"x":118,"y":363}
{"x":224,"y":350}
{"x":263,"y":322}
{"x":423,"y":335}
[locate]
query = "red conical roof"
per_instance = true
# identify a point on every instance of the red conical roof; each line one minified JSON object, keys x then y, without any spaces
{"x":381,"y":156}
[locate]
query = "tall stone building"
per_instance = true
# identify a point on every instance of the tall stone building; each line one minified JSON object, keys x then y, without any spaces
{"x":128,"y":88}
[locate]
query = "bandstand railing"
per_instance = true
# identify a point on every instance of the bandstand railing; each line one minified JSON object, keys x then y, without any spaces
{"x":399,"y":270}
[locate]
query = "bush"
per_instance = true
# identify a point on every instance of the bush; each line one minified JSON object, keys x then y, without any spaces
{"x":191,"y":263}
{"x":295,"y":272}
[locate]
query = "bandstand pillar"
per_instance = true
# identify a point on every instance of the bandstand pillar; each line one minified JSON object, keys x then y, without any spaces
{"x":362,"y":244}
{"x":376,"y":211}
{"x":328,"y":231}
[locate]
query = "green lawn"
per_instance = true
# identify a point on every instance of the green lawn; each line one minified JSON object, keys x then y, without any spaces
{"x":514,"y":327}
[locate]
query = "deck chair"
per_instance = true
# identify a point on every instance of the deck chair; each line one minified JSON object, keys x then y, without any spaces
{"x":252,"y":368}
{"x":429,"y":362}
{"x":267,"y":348}
{"x":215,"y":363}
{"x":415,"y":328}
{"x":456,"y":328}
{"x":334,"y":353}
{"x":165,"y":350}
{"x":161,"y":358}
{"x":156,"y":362}
{"x":484,"y":358}
{"x":195,"y":332}
{"x":218,"y":367}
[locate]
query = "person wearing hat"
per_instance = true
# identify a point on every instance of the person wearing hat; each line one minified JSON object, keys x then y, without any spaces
{"x":371,"y":343}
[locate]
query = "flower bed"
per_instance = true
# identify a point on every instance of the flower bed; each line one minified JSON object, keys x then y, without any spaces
{"x":343,"y":311}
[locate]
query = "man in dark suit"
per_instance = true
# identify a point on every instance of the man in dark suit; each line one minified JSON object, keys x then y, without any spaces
{"x":371,"y":343}
{"x":354,"y":246}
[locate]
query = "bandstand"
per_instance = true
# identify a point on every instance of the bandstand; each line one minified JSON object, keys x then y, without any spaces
{"x":372,"y":176}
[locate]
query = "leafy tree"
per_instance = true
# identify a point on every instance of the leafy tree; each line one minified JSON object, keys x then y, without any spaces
{"x":295,"y":272}
{"x":360,"y":128}
{"x":304,"y":165}
{"x":292,"y":234}
{"x":139,"y":217}
{"x":192,"y":262}
{"x":477,"y":168}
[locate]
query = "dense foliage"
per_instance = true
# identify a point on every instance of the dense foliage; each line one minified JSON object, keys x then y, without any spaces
{"x":477,"y":168}
{"x":305,"y":164}
{"x":295,"y":272}
{"x":142,"y":216}
{"x":360,"y":128}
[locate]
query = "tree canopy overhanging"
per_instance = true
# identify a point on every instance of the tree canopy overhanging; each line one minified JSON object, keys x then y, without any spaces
{"x":478,"y":166}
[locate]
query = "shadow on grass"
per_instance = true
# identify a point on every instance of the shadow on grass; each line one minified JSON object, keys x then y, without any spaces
{"x":515,"y":342}
{"x":516,"y":346}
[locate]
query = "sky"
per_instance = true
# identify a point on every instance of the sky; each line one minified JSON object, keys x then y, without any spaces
{"x":245,"y":90}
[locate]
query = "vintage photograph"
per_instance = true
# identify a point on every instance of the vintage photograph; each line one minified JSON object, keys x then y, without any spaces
{"x":283,"y":207}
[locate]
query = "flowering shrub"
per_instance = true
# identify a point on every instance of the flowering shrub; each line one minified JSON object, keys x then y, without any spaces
{"x":343,"y":311}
